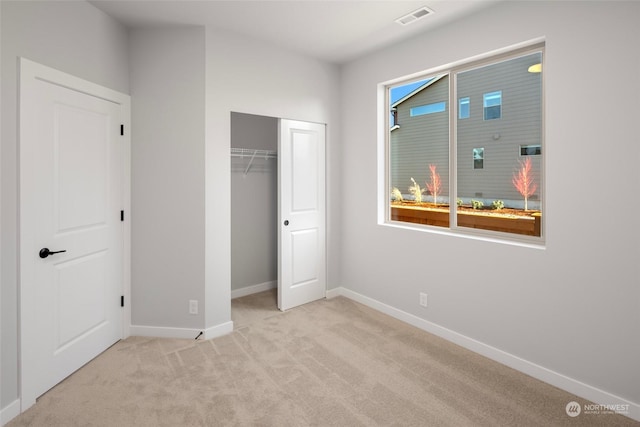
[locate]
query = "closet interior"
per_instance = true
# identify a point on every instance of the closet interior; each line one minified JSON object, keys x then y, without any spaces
{"x":254,"y":205}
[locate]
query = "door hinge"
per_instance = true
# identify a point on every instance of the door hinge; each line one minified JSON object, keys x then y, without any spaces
{"x":121,"y":215}
{"x":121,"y":129}
{"x":121,"y":300}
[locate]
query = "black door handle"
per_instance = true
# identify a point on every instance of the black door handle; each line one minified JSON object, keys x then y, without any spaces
{"x":286,"y":222}
{"x":45,"y":252}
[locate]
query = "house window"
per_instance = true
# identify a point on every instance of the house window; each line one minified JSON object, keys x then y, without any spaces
{"x":422,"y":177}
{"x":437,"y":107}
{"x":478,"y":158}
{"x":394,"y":118}
{"x":531,"y":150}
{"x":463,"y":108}
{"x":492,"y":105}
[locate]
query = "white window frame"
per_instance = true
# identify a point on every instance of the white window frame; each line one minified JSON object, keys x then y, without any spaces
{"x":474,"y":158}
{"x":496,"y":94}
{"x":384,"y":168}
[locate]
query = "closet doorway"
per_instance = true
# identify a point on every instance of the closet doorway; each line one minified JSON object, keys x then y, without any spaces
{"x":254,"y":217}
{"x":278,"y":255}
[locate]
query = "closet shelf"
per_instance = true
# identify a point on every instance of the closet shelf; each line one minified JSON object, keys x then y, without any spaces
{"x":251,"y":154}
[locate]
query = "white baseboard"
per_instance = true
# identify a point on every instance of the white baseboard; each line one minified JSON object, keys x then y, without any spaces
{"x":163,"y":332}
{"x":9,"y":412}
{"x":166,"y":332}
{"x":556,"y":379}
{"x":254,"y":289}
{"x":218,"y":330}
{"x":332,"y":293}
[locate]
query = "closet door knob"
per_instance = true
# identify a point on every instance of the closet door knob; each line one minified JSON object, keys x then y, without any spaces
{"x":286,"y":222}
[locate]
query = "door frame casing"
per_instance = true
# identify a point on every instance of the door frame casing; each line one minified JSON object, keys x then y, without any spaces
{"x":29,"y":72}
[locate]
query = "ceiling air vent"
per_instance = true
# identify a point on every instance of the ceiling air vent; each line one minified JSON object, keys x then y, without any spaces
{"x":414,"y":16}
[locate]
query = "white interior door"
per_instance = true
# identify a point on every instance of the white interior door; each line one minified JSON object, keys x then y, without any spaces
{"x":71,"y":195}
{"x":301,"y":213}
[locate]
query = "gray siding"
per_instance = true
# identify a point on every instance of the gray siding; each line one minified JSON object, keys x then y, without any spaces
{"x":421,"y":140}
{"x":520,"y":124}
{"x":424,"y":140}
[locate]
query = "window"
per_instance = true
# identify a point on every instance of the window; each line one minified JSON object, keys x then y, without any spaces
{"x":478,"y":158}
{"x":531,"y":150}
{"x":492,"y":105}
{"x":437,"y":107}
{"x":424,"y":181}
{"x":463,"y":108}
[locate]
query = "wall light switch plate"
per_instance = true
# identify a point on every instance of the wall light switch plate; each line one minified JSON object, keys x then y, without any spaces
{"x":193,"y":306}
{"x":423,"y":299}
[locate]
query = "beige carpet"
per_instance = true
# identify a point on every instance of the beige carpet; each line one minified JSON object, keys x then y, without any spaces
{"x":328,"y":363}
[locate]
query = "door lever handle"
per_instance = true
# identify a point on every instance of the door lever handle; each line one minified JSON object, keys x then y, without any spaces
{"x":45,"y":252}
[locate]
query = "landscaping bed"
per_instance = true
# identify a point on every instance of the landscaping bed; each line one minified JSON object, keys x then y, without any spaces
{"x":506,"y":220}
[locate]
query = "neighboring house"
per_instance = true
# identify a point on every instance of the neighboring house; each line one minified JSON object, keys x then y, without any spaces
{"x":420,"y":136}
{"x":498,"y":125}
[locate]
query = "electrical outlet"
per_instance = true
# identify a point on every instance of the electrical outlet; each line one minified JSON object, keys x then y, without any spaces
{"x":193,"y":306}
{"x":423,"y":299}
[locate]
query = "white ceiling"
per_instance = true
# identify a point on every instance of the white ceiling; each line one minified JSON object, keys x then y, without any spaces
{"x":330,"y":30}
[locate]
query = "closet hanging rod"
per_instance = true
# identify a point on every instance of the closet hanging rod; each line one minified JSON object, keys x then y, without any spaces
{"x":252,"y":153}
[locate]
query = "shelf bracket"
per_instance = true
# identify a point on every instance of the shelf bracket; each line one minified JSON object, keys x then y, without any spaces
{"x":246,"y":171}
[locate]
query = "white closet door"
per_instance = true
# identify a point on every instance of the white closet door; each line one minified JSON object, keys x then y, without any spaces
{"x":301,"y":242}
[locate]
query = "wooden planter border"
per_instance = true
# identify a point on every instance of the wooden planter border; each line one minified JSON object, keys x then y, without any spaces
{"x":529,"y":226}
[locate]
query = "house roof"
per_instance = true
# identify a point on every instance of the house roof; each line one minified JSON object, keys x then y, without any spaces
{"x":417,"y":90}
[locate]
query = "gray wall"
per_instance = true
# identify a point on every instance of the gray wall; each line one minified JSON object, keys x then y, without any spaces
{"x":73,"y":37}
{"x":167,"y":183}
{"x":180,"y":157}
{"x":255,"y":132}
{"x":572,"y":307}
{"x":254,"y":203}
{"x":250,"y":76}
